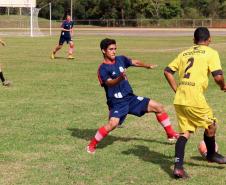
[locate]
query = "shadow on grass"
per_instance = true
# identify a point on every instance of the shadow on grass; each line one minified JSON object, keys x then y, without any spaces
{"x":199,"y":158}
{"x":143,"y":152}
{"x":165,"y":162}
{"x":87,"y":134}
{"x":60,"y":57}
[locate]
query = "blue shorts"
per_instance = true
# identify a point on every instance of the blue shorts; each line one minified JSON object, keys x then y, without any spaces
{"x":132,"y":104}
{"x":64,"y":39}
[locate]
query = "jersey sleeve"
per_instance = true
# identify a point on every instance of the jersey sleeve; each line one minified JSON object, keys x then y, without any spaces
{"x":103,"y":75}
{"x":174,"y":65}
{"x":127,"y":61}
{"x":214,"y":64}
{"x":63,"y":24}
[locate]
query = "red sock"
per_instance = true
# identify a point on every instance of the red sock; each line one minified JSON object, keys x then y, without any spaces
{"x":163,"y":119}
{"x":101,"y":134}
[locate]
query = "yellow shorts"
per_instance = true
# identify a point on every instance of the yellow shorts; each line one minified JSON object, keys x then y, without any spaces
{"x":190,"y":118}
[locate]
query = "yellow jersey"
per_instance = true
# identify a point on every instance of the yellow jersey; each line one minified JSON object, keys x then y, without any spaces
{"x":194,"y":66}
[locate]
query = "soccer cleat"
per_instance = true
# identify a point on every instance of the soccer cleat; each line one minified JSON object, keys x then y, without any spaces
{"x":172,"y":136}
{"x":6,"y":83}
{"x":217,"y":158}
{"x":70,"y":57}
{"x":52,"y":56}
{"x":91,"y":149}
{"x":180,"y":173}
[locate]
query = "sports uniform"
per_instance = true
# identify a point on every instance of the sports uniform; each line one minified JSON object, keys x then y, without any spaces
{"x":193,"y":65}
{"x":120,"y":98}
{"x":66,"y":35}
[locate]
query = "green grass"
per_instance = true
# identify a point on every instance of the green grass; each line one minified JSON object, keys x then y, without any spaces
{"x":54,"y":108}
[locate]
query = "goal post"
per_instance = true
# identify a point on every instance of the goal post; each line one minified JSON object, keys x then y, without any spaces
{"x":20,"y":17}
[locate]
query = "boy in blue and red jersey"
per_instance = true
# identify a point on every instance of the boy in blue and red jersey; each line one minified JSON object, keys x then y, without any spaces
{"x":120,"y":97}
{"x":66,"y":33}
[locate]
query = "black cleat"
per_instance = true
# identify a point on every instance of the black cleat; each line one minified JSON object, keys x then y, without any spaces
{"x":217,"y":158}
{"x":179,"y":173}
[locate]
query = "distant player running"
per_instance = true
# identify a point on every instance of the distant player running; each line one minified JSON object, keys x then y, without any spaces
{"x":194,"y":66}
{"x":120,"y":97}
{"x":4,"y":81}
{"x":65,"y":36}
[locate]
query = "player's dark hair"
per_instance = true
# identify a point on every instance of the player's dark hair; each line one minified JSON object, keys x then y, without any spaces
{"x":106,"y":42}
{"x":66,"y":13}
{"x":201,"y":34}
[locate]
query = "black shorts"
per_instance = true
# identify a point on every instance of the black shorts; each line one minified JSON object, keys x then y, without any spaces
{"x":133,"y":104}
{"x":64,"y":39}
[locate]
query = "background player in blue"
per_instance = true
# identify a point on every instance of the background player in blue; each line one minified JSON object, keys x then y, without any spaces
{"x":65,"y":36}
{"x":120,"y":98}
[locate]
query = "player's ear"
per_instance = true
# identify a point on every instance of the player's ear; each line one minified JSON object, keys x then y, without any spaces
{"x":103,"y":51}
{"x":209,"y":39}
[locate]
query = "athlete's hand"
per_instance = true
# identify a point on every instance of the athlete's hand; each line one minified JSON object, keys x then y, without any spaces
{"x":123,"y":75}
{"x":224,"y":88}
{"x":151,"y":66}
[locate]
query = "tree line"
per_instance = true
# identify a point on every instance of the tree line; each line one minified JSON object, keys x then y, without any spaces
{"x":135,"y":9}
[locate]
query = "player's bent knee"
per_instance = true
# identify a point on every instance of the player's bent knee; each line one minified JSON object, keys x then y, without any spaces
{"x":155,"y":107}
{"x":71,"y":45}
{"x":161,"y":108}
{"x":113,"y":123}
{"x":186,"y":134}
{"x":211,"y":131}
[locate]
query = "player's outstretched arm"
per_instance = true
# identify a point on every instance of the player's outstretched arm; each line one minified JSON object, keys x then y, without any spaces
{"x":171,"y":80}
{"x":2,"y":42}
{"x":138,"y":63}
{"x":219,"y":79}
{"x":112,"y":82}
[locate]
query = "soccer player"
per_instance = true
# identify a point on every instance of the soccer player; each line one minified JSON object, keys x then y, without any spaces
{"x":120,"y":97}
{"x":192,"y":110}
{"x":2,"y":78}
{"x":66,"y":34}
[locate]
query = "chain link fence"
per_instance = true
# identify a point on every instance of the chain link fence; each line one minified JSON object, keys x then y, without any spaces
{"x":14,"y":24}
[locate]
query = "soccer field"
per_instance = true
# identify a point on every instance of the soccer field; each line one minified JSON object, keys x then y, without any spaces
{"x":55,"y":107}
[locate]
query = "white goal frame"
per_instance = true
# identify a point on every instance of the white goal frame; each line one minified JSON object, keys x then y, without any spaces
{"x":20,"y":4}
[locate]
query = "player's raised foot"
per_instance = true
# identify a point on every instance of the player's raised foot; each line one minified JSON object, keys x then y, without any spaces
{"x":172,"y":137}
{"x":52,"y":56}
{"x":180,"y":173}
{"x":217,"y":158}
{"x":70,"y":57}
{"x":91,"y":149}
{"x":6,"y":83}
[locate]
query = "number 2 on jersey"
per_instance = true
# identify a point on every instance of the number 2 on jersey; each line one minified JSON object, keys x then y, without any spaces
{"x":190,"y":61}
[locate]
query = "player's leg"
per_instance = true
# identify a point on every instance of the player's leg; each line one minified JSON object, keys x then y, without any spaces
{"x":209,"y":139}
{"x":179,"y":171}
{"x":58,"y":47}
{"x":4,"y":81}
{"x":116,"y":116}
{"x":70,"y":50}
{"x":101,"y":133}
{"x":185,"y":127}
{"x":163,"y":119}
{"x":203,"y":117}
